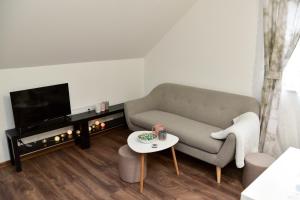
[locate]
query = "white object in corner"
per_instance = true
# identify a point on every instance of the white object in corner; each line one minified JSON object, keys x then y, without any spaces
{"x":281,"y":181}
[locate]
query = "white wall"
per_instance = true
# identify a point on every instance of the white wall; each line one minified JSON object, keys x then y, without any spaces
{"x":213,"y":46}
{"x":36,"y":33}
{"x":116,"y":81}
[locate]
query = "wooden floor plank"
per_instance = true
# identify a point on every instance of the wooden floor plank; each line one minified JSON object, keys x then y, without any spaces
{"x":72,"y":173}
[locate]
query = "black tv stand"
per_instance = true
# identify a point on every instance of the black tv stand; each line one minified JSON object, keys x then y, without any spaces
{"x":78,"y":121}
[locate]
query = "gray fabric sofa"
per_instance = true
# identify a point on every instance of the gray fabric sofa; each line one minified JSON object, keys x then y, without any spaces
{"x":192,"y":114}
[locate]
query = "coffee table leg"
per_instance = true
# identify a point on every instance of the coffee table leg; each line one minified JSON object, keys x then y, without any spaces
{"x":142,"y":173}
{"x":175,"y":160}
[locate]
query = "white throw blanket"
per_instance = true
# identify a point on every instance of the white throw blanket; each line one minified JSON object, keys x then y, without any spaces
{"x":246,"y":130}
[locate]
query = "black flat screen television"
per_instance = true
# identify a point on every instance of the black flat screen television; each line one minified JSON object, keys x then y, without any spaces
{"x":35,"y":106}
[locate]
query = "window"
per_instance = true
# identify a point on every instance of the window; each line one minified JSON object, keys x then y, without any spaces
{"x":291,"y":74}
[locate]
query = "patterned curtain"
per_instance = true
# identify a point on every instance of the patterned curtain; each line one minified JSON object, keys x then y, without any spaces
{"x":281,"y":35}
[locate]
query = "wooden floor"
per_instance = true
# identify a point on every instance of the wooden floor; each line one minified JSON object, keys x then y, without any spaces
{"x":72,"y":173}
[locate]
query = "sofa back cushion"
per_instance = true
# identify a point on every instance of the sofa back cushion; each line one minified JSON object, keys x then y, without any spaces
{"x":208,"y":106}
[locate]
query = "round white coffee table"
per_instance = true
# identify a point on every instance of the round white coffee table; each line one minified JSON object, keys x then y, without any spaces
{"x":143,"y":148}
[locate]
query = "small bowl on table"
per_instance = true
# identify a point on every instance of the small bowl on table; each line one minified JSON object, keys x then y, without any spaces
{"x":147,"y":137}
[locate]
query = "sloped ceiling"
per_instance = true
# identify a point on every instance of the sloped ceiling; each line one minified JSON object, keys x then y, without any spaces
{"x":47,"y":32}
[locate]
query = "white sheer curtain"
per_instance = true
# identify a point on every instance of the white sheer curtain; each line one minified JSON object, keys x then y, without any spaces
{"x":279,"y":110}
{"x":289,"y":108}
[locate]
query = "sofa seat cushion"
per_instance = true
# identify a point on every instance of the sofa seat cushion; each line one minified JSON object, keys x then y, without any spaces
{"x":190,"y":132}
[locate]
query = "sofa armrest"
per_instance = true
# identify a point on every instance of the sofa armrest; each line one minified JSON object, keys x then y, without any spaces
{"x":227,"y":151}
{"x":137,"y":106}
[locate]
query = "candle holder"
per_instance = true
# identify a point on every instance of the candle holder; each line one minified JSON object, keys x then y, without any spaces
{"x":56,"y":138}
{"x":102,"y":106}
{"x":162,"y":134}
{"x":70,"y":134}
{"x":63,"y":135}
{"x":93,"y":128}
{"x":102,"y":125}
{"x":78,"y":133}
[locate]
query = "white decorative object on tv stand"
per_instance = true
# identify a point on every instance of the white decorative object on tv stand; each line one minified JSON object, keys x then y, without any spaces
{"x":98,"y":108}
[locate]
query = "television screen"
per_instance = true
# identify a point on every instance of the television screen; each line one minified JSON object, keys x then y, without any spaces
{"x":36,"y":105}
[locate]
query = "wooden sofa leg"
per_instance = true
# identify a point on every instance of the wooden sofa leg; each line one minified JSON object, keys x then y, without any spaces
{"x":218,"y":171}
